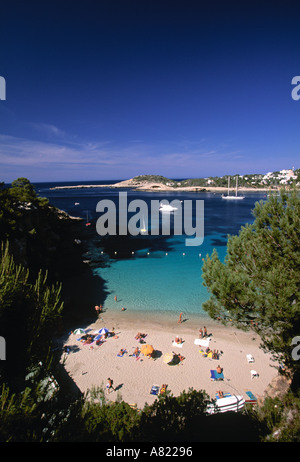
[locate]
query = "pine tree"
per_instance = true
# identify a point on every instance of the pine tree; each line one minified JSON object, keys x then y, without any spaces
{"x":257,"y":286}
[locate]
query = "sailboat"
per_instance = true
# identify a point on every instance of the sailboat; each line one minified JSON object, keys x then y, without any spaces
{"x":144,"y":230}
{"x":88,"y":223}
{"x":236,"y":188}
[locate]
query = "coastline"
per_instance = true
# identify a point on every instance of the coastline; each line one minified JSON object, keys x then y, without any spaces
{"x":158,"y":187}
{"x":90,"y":365}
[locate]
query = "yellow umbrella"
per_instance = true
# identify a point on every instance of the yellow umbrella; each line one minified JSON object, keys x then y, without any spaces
{"x":147,"y":349}
{"x":168,"y":358}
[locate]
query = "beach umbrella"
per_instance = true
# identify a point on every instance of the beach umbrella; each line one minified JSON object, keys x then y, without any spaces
{"x":79,"y":331}
{"x":103,"y":331}
{"x":171,"y":359}
{"x":168,"y":358}
{"x":147,"y":349}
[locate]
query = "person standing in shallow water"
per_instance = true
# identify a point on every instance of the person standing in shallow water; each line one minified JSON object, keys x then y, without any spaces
{"x":180,"y":318}
{"x":115,"y":298}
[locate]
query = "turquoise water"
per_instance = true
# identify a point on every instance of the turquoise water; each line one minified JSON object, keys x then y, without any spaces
{"x":159,"y":281}
{"x":163,"y":275}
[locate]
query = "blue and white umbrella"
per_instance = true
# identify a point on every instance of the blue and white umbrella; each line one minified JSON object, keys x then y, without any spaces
{"x":102,"y":331}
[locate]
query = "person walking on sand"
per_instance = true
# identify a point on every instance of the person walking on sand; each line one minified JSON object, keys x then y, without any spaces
{"x":109,"y":385}
{"x":180,"y":318}
{"x":205,"y":331}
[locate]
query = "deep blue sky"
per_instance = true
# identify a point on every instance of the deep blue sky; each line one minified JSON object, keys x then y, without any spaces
{"x":112,"y":89}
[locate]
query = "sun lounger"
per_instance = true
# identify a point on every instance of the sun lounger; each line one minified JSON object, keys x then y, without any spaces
{"x":154,"y":390}
{"x":253,"y":374}
{"x":214,"y":375}
{"x":251,"y":398}
{"x":202,"y":342}
{"x":250,"y":358}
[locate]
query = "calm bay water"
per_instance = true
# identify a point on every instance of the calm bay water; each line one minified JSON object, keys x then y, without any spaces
{"x":155,"y":274}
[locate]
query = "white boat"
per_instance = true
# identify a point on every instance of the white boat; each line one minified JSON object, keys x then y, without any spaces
{"x":236,"y":197}
{"x":166,"y":208}
{"x":144,"y":230}
{"x":229,"y":403}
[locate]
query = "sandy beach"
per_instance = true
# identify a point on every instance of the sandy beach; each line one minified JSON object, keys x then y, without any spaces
{"x":90,"y":364}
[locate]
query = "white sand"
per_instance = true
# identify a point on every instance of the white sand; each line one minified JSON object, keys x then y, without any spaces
{"x":91,"y":365}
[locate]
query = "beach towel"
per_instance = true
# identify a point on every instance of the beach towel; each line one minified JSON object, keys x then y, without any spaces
{"x":225,"y":395}
{"x":215,"y":376}
{"x":121,"y":356}
{"x":154,"y":390}
{"x":178,"y":345}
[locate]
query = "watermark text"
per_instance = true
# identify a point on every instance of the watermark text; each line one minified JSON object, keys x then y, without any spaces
{"x":2,"y":88}
{"x":134,"y":217}
{"x":296,"y":89}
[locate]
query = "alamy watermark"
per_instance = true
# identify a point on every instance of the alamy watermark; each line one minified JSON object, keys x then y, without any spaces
{"x":296,"y":350}
{"x":2,"y":349}
{"x":2,"y":88}
{"x":184,"y":220}
{"x":296,"y":89}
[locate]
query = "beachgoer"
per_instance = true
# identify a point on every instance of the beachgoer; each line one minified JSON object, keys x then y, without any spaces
{"x":136,"y":352}
{"x":100,"y":309}
{"x":200,"y":333}
{"x":180,"y":318}
{"x":220,"y":394}
{"x":216,"y":354}
{"x":109,"y":385}
{"x":205,"y":331}
{"x":163,"y":388}
{"x":219,"y":369}
{"x":115,"y":298}
{"x":123,"y":309}
{"x":97,"y":309}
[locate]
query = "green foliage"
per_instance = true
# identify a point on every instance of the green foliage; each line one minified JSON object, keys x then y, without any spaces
{"x":20,"y":418}
{"x":278,"y":419}
{"x":23,"y":191}
{"x":258,"y":284}
{"x":29,"y":313}
{"x":174,"y":418}
{"x":153,"y":178}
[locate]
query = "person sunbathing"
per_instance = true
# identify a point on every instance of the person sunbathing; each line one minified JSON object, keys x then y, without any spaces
{"x":215,"y":354}
{"x":136,"y":352}
{"x":219,"y":369}
{"x":121,"y":352}
{"x":181,"y":358}
{"x":163,"y":388}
